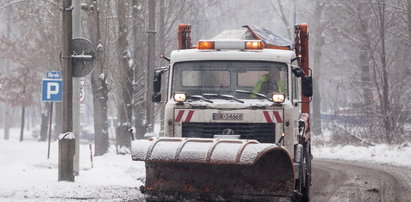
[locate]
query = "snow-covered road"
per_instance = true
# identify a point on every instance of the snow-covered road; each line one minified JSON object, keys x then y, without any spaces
{"x":27,"y":175}
{"x":360,"y":173}
{"x":336,"y":180}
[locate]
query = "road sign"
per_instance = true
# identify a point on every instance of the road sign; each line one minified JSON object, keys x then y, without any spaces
{"x":53,"y":75}
{"x":51,"y":90}
{"x":84,"y":57}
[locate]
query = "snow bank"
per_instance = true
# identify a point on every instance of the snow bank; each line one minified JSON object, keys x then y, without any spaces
{"x":396,"y":155}
{"x":27,"y":175}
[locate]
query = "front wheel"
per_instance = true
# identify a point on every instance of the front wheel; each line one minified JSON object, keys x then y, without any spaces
{"x":307,"y":172}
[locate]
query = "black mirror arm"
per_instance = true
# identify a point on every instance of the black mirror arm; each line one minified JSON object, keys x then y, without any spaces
{"x":165,"y":58}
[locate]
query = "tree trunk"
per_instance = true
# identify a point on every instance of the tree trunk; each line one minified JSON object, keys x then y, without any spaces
{"x":6,"y":122}
{"x":139,"y":84}
{"x":367,"y":109}
{"x":151,"y":48}
{"x":162,"y":50}
{"x":99,"y":86}
{"x":316,"y":103}
{"x":6,"y":107}
{"x":23,"y":109}
{"x":318,"y":44}
{"x":365,"y":76}
{"x":124,"y":108}
{"x":44,"y":126}
{"x":409,"y":21}
{"x":408,"y":70}
{"x":384,"y":96}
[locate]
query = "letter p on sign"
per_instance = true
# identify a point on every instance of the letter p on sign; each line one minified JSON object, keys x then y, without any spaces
{"x":51,"y":90}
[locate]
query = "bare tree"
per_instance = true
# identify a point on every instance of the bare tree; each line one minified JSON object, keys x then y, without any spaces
{"x":18,"y":90}
{"x":322,"y":18}
{"x":126,"y":72}
{"x":33,"y":45}
{"x":376,"y":35}
{"x":139,"y":59}
{"x":281,"y":13}
{"x":98,"y":82}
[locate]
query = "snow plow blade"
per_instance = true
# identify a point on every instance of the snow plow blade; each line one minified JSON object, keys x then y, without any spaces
{"x":214,"y":169}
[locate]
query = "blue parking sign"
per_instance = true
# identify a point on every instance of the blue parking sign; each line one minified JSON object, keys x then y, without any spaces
{"x":52,"y":90}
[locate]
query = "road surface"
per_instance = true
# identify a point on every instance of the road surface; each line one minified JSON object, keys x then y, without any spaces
{"x":352,"y":181}
{"x":340,"y":181}
{"x":335,"y":181}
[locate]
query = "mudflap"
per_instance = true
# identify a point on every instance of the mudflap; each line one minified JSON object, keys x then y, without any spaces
{"x":215,"y":170}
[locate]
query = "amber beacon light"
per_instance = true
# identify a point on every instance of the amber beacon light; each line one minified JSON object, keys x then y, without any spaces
{"x":254,"y":45}
{"x":205,"y":45}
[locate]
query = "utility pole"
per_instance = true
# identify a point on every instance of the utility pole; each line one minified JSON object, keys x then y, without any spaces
{"x":76,"y":89}
{"x":150,"y":60}
{"x":66,"y":146}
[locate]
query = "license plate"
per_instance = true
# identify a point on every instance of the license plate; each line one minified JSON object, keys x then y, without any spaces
{"x":227,"y":116}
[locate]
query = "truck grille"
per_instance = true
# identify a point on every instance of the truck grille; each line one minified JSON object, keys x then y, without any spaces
{"x":262,"y":132}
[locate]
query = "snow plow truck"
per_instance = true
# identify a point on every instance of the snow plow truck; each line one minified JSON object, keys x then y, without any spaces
{"x":236,"y":124}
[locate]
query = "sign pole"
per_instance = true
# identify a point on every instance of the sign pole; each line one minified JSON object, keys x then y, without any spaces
{"x":50,"y":125}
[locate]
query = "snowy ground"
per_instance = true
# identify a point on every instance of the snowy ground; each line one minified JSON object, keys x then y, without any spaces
{"x":27,"y":175}
{"x":395,"y":155}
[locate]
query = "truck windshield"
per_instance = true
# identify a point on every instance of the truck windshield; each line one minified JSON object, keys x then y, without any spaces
{"x":225,"y":77}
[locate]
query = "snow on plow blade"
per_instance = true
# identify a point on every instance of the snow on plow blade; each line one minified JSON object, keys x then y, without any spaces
{"x":244,"y":169}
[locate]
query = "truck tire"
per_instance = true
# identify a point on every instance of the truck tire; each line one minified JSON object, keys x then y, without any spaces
{"x":307,"y":172}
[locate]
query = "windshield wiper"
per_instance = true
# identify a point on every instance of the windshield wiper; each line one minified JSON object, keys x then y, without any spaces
{"x":200,"y":98}
{"x":252,"y":93}
{"x":223,"y":96}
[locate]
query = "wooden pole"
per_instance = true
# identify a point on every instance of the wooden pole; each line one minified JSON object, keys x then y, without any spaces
{"x":67,"y":146}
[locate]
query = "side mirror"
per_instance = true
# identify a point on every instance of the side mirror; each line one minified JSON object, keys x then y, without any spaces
{"x":298,"y":72}
{"x":307,"y":86}
{"x":157,"y":84}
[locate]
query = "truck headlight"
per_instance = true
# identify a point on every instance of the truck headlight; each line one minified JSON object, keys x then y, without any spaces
{"x":278,"y":98}
{"x":180,"y":97}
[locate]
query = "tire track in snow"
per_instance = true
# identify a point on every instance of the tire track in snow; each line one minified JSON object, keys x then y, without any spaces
{"x":354,"y":181}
